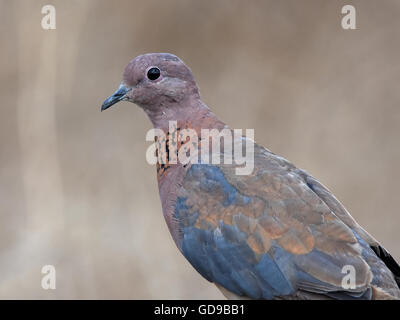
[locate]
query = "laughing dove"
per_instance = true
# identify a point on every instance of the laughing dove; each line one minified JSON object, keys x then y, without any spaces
{"x":274,"y":233}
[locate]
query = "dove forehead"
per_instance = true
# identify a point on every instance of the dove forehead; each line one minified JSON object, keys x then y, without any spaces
{"x":169,"y":64}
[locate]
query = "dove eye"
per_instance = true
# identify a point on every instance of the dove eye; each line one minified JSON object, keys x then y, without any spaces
{"x":153,"y":73}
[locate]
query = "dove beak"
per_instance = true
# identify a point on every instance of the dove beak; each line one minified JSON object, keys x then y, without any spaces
{"x":119,"y":95}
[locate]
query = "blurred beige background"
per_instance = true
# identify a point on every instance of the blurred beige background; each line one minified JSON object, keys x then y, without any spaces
{"x":75,"y":188}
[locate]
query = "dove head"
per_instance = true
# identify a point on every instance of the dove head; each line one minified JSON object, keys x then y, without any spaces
{"x":157,"y":82}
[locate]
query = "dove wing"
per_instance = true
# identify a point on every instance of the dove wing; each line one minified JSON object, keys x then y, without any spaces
{"x":274,"y":233}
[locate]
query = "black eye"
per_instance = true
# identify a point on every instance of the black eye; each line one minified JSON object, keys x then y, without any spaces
{"x":153,"y":73}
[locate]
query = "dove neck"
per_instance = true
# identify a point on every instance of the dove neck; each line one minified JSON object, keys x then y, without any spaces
{"x":192,"y":113}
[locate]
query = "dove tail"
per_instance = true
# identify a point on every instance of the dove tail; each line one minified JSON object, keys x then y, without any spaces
{"x":389,"y":262}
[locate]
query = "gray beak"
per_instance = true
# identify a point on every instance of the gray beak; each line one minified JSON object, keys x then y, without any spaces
{"x":118,"y":96}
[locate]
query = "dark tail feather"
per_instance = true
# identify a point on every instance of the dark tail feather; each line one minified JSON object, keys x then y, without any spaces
{"x":389,"y":261}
